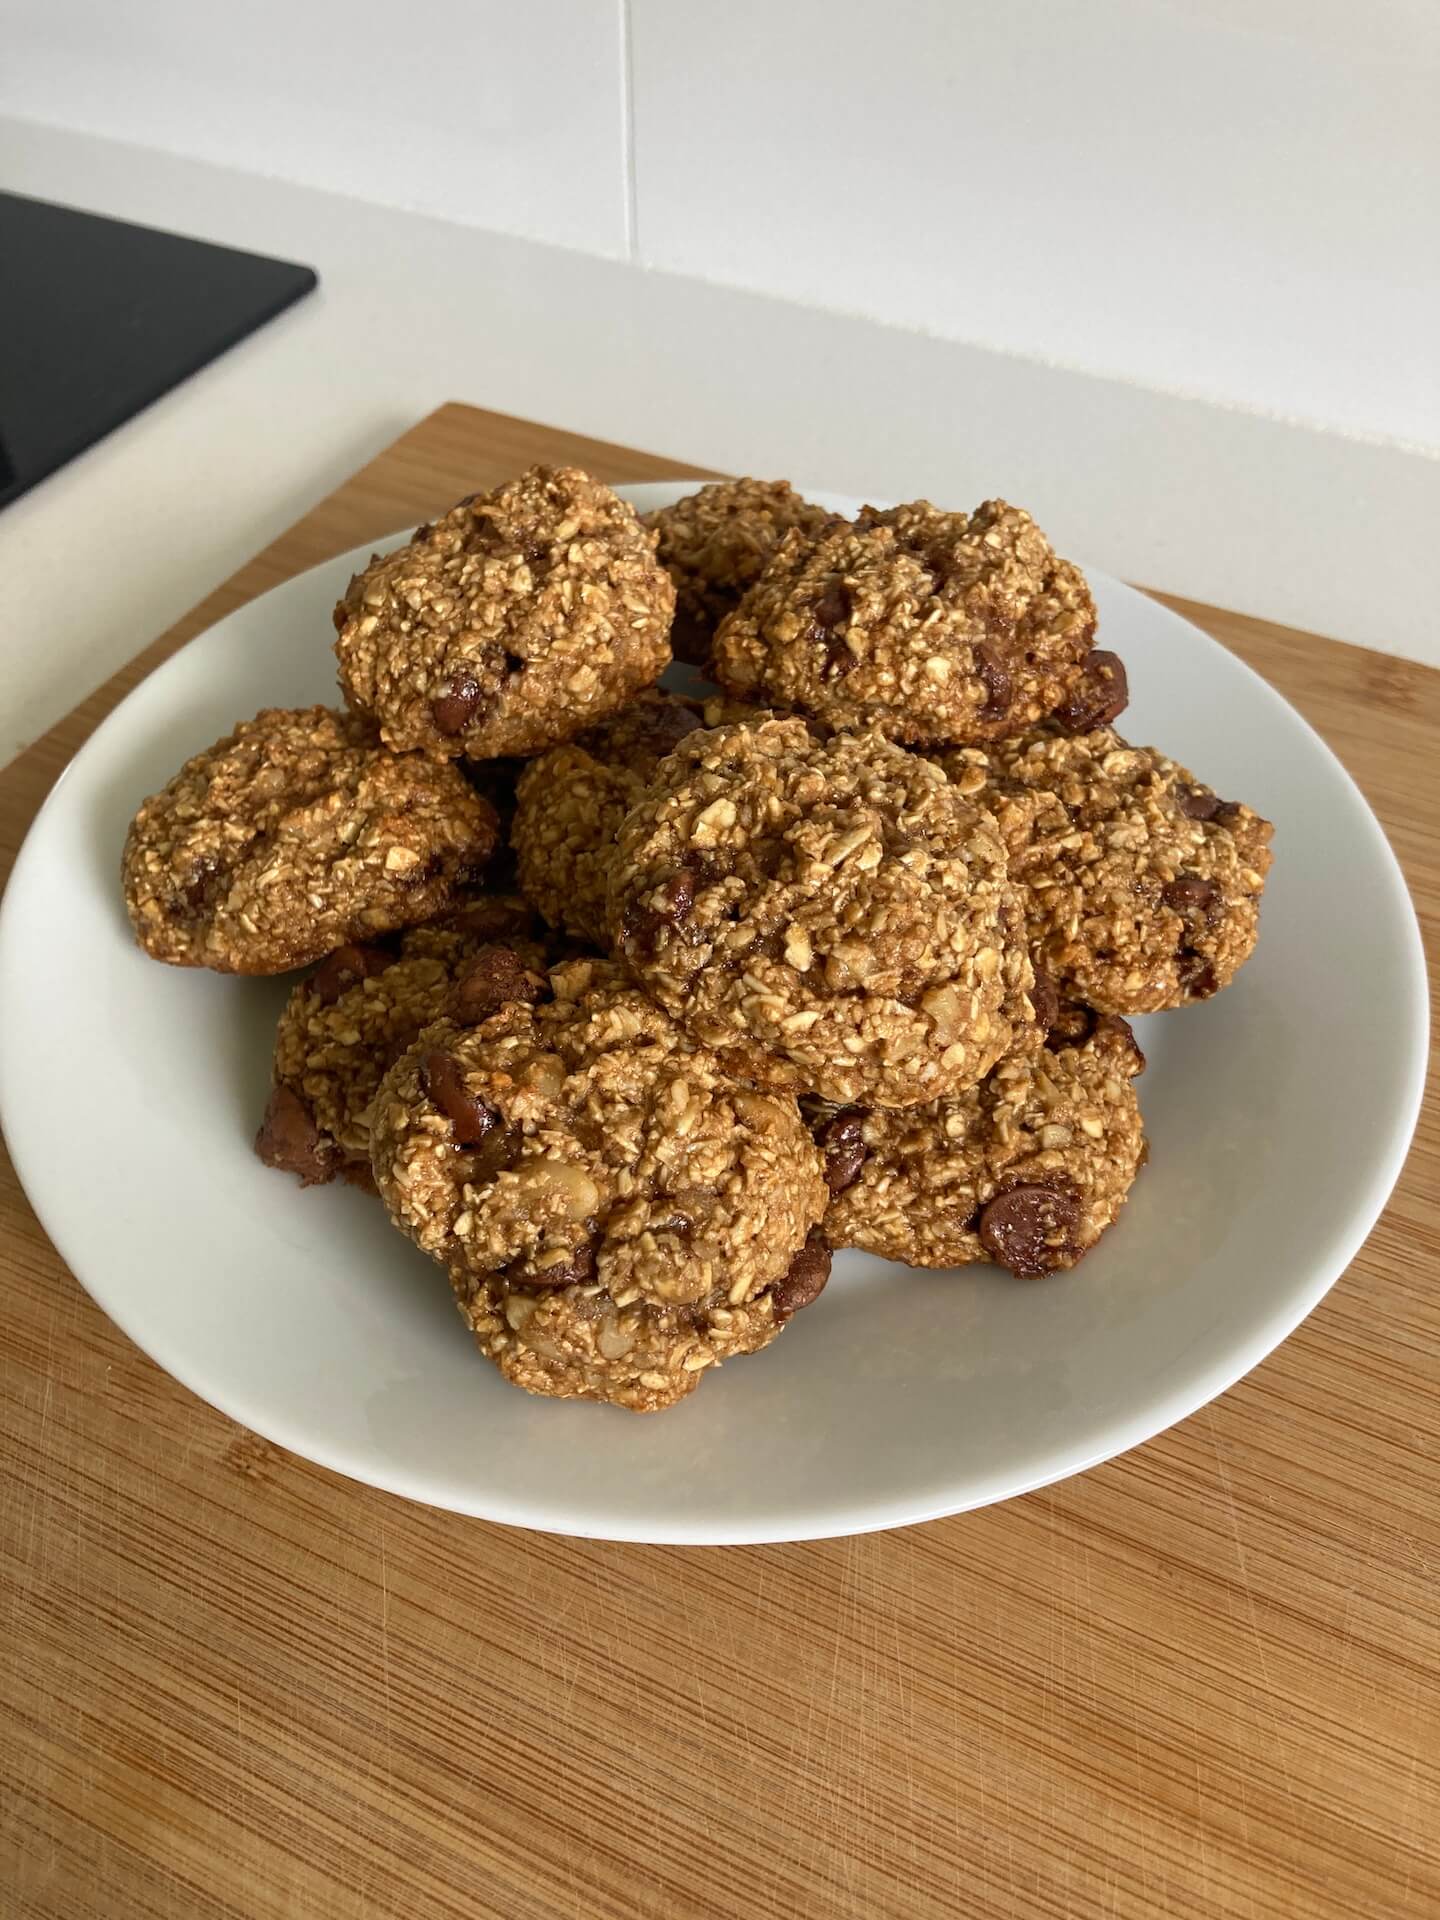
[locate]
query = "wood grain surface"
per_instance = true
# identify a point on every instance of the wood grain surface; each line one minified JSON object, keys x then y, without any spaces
{"x":1201,"y":1681}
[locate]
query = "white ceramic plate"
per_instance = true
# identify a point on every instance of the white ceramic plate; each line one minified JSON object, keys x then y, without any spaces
{"x":1279,"y":1115}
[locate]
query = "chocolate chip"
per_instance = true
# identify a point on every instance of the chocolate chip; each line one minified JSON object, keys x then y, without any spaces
{"x":454,"y":709}
{"x":832,"y":610}
{"x":994,"y":676}
{"x":1197,"y":803}
{"x":346,"y":968}
{"x":289,"y":1139}
{"x":1101,"y":696}
{"x":199,"y":891}
{"x":805,"y":1280}
{"x":677,"y":1221}
{"x":670,"y":905}
{"x":1045,"y":998}
{"x":1190,"y":893}
{"x":1197,"y":976}
{"x":1031,"y":1229}
{"x":842,"y":1141}
{"x":572,"y":1272}
{"x":444,"y":1081}
{"x":494,"y":978}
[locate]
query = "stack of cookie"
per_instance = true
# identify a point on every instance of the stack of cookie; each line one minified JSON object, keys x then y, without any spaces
{"x":631,"y":1006}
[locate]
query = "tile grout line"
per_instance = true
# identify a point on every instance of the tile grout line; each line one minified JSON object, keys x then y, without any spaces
{"x":627,"y":135}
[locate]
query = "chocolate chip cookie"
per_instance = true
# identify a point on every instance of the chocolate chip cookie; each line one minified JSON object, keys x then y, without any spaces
{"x":346,"y":1024}
{"x":933,"y":628}
{"x":1141,"y":885}
{"x":571,"y":800}
{"x":294,"y":835}
{"x":517,"y":620}
{"x":716,"y":542}
{"x":1028,"y":1169}
{"x":616,"y":1215}
{"x":831,"y":916}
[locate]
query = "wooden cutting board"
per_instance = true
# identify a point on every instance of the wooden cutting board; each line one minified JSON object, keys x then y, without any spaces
{"x":1198,"y":1682}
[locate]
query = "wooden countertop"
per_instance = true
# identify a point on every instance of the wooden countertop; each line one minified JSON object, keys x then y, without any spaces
{"x":1202,"y":1681}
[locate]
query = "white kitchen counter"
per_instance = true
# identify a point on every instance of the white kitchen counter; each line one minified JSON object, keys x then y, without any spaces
{"x":1314,"y":529}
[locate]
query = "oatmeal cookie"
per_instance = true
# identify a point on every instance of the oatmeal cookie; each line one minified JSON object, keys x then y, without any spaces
{"x":1141,"y":885}
{"x":572,"y":799}
{"x":517,"y":620}
{"x":294,"y":835}
{"x":345,"y":1025}
{"x":616,"y":1215}
{"x":1028,"y":1169}
{"x":833,"y":916}
{"x":715,"y":544}
{"x":932,"y":628}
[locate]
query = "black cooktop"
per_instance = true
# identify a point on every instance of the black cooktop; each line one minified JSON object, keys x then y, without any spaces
{"x":98,"y":318}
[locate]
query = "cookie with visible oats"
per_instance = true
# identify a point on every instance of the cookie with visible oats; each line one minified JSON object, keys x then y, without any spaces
{"x":345,"y":1025}
{"x":1028,"y":1169}
{"x":932,"y":628}
{"x":831,"y":916}
{"x":294,"y":835}
{"x":1141,"y":885}
{"x":571,"y":800}
{"x":715,"y":544}
{"x":616,"y":1215}
{"x":520,"y":618}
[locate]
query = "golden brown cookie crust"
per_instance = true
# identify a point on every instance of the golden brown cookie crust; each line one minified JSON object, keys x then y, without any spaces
{"x":517,"y":620}
{"x":1028,"y":1169}
{"x":345,"y":1025}
{"x":832,"y":916}
{"x":715,"y":544}
{"x":932,"y":628}
{"x":570,"y":803}
{"x":616,"y":1214}
{"x":1141,"y":885}
{"x":292,"y":836}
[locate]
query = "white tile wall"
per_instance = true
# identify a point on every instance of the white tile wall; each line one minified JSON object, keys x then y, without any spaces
{"x":505,"y":114}
{"x":1236,"y":199}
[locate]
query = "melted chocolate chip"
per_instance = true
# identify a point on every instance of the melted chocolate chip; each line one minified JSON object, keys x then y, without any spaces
{"x":994,"y":676}
{"x":1031,"y":1229}
{"x":454,"y":709}
{"x":1045,"y":998}
{"x":289,"y":1139}
{"x":1197,"y":976}
{"x":1102,"y":695}
{"x":346,"y":968}
{"x":842,"y":1141}
{"x":470,"y":1117}
{"x":575,"y":1271}
{"x":805,"y":1280}
{"x":830,"y":612}
{"x":1191,"y":894}
{"x":832,"y":609}
{"x":199,"y":891}
{"x":494,"y":978}
{"x":1198,"y":803}
{"x":670,"y":905}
